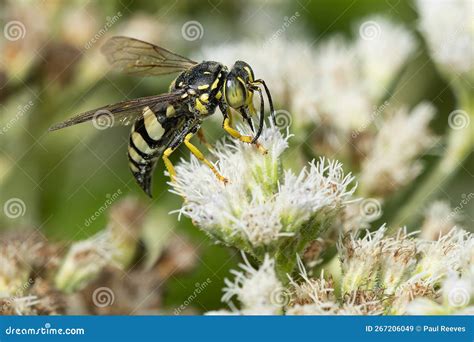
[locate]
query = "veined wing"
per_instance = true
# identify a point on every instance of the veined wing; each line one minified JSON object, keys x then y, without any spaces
{"x":140,"y":58}
{"x":122,"y":113}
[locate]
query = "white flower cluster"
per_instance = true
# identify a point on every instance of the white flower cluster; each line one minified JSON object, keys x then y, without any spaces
{"x":18,"y":258}
{"x":393,"y":162}
{"x":14,"y":271}
{"x":448,"y":29}
{"x":400,"y":274}
{"x":261,"y":203}
{"x":383,"y":53}
{"x":258,"y":290}
{"x":405,"y":268}
{"x":439,"y":219}
{"x":19,"y":305}
{"x":308,"y":80}
{"x":84,"y":261}
{"x":114,"y":247}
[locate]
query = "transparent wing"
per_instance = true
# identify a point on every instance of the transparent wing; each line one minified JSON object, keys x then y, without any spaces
{"x":140,"y":58}
{"x":122,"y":113}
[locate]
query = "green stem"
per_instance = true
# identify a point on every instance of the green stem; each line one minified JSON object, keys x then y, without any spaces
{"x":459,"y":145}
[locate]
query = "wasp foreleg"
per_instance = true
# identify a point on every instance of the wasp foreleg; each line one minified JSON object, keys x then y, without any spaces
{"x":227,"y":125}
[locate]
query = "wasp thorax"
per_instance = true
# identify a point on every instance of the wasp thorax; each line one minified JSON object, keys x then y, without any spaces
{"x":235,"y":92}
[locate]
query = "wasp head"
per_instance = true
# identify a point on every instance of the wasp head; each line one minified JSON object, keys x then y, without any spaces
{"x":239,"y":89}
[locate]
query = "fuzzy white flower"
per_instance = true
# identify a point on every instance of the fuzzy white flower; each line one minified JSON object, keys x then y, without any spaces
{"x":373,"y":308}
{"x":424,"y":306}
{"x":449,"y":30}
{"x":393,"y":163}
{"x":258,"y":290}
{"x":447,"y":254}
{"x":18,"y":257}
{"x":14,"y":272}
{"x":383,"y":55}
{"x":84,"y":261}
{"x":457,"y":297}
{"x":398,"y":260}
{"x":315,"y":296}
{"x":309,"y":290}
{"x":440,"y":218}
{"x":458,"y":290}
{"x":374,"y":267}
{"x":115,"y":246}
{"x":360,"y":260}
{"x":446,"y":264}
{"x":21,"y":305}
{"x":261,"y":204}
{"x":312,"y":309}
{"x":337,"y":76}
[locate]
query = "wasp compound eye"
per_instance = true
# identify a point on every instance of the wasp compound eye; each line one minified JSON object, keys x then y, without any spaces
{"x":235,"y":92}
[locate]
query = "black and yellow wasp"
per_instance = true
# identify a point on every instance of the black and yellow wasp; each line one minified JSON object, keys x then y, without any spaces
{"x":162,"y":122}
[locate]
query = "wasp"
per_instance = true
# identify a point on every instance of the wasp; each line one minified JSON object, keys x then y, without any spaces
{"x":163,"y":122}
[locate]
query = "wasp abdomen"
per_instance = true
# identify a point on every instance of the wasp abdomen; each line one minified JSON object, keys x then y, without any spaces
{"x":143,"y":148}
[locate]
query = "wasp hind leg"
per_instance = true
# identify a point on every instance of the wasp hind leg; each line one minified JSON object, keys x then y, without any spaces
{"x":203,"y":140}
{"x":198,"y":154}
{"x":169,"y":166}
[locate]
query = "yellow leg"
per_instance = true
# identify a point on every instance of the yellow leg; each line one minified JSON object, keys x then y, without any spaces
{"x":244,"y":138}
{"x":194,"y":150}
{"x":230,"y":116}
{"x":168,"y":164}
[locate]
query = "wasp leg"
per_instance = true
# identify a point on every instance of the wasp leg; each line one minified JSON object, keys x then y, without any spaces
{"x":169,"y":166}
{"x":228,"y":114}
{"x":203,"y":140}
{"x":269,"y":96}
{"x":244,"y":138}
{"x":194,"y":150}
